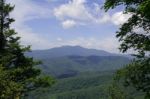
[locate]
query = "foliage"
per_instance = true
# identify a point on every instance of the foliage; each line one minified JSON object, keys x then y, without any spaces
{"x":131,"y":38}
{"x":67,"y":66}
{"x":136,"y":75}
{"x":18,"y":73}
{"x":116,"y":92}
{"x":135,"y":34}
{"x":84,"y":86}
{"x":6,"y":85}
{"x":89,"y":85}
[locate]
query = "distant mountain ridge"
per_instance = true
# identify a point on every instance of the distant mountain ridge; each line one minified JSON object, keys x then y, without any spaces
{"x":68,"y":66}
{"x":68,"y":51}
{"x":68,"y":61}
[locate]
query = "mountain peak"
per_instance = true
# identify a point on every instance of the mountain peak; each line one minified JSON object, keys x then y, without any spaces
{"x":69,"y":46}
{"x":68,"y":51}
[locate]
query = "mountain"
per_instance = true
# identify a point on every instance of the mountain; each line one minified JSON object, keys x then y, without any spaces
{"x":81,"y":73}
{"x":67,"y":66}
{"x":68,"y":51}
{"x":84,"y":86}
{"x":68,"y":61}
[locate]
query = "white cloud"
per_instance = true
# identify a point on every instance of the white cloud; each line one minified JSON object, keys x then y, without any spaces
{"x":108,"y":44}
{"x":79,"y":12}
{"x":30,"y":38}
{"x":71,"y":14}
{"x":26,"y":10}
{"x":73,"y":9}
{"x":68,"y":24}
{"x":51,"y":0}
{"x":119,"y":18}
{"x":59,"y":39}
{"x":104,"y":19}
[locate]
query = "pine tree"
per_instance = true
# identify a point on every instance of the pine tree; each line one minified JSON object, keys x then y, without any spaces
{"x":18,"y":73}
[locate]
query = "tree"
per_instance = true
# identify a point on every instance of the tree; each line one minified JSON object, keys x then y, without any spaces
{"x":115,"y":92}
{"x":135,"y":34}
{"x":18,"y":73}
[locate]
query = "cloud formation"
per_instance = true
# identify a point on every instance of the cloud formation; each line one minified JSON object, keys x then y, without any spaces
{"x":26,"y":10}
{"x":79,"y":10}
{"x":68,"y":24}
{"x":119,"y":18}
{"x":108,"y":44}
{"x":71,"y":14}
{"x":73,"y":9}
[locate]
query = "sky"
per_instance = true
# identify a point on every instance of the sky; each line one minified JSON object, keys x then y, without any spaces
{"x":45,"y":24}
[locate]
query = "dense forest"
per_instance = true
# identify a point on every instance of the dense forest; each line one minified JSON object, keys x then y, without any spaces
{"x":93,"y":85}
{"x":80,"y":87}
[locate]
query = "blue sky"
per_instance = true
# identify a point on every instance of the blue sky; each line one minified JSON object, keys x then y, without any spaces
{"x":46,"y":24}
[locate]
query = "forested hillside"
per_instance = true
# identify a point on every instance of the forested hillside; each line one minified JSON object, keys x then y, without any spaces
{"x":69,"y":61}
{"x":79,"y":76}
{"x":84,"y":86}
{"x":68,"y":51}
{"x":72,"y":65}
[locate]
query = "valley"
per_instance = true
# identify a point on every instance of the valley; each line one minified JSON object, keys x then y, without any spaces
{"x":80,"y":73}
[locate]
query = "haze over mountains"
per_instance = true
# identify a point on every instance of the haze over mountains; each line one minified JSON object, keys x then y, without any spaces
{"x":69,"y":51}
{"x":69,"y":61}
{"x":80,"y":72}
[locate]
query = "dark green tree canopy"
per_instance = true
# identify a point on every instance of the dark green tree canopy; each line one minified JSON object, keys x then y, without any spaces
{"x":18,"y":73}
